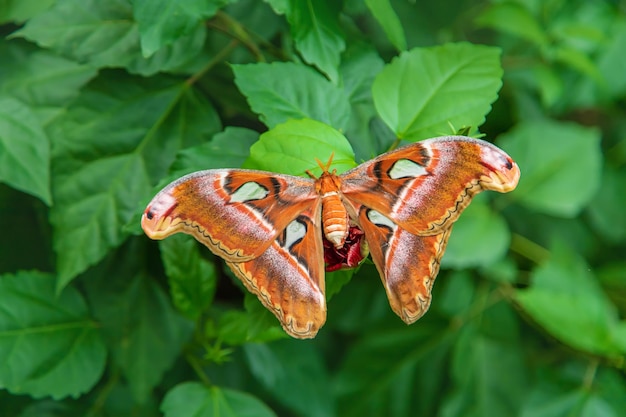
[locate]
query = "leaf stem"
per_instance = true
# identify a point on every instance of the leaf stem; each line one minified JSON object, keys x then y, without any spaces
{"x":590,"y":374}
{"x":231,"y":27}
{"x":197,"y":367}
{"x":529,"y":249}
{"x":219,"y":57}
{"x":104,"y":393}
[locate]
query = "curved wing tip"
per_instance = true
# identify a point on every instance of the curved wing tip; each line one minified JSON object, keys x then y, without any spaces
{"x":308,"y":331}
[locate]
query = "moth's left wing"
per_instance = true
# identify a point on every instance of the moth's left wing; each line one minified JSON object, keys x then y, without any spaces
{"x":425,"y":186}
{"x":288,"y":277}
{"x":236,"y":213}
{"x":408,"y":264}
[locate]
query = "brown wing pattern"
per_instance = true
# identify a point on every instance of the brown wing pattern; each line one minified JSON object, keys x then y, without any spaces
{"x":408,"y":264}
{"x":407,"y":201}
{"x":425,"y":186}
{"x":288,"y":277}
{"x":237,"y":214}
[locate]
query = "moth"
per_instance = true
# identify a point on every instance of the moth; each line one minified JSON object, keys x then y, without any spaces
{"x":279,"y":233}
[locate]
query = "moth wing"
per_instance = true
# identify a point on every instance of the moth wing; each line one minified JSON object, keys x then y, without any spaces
{"x":407,"y":263}
{"x":288,"y":277}
{"x":425,"y":186}
{"x":237,"y":214}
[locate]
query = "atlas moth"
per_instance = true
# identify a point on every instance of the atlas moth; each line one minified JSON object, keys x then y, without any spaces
{"x":279,"y":233}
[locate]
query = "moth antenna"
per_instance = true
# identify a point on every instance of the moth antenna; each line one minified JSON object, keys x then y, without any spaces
{"x":324,"y":167}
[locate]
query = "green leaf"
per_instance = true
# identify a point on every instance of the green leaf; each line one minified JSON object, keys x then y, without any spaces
{"x":549,"y":83}
{"x":295,"y":375}
{"x":192,"y":279}
{"x":194,"y":399}
{"x":578,"y":60}
{"x":22,"y":10}
{"x":459,"y":292}
{"x":292,"y":147}
{"x":162,"y":22}
{"x":425,"y":90}
{"x":279,"y":6}
{"x":515,"y":19}
{"x":480,"y":238}
{"x":227,"y":149}
{"x":254,"y":325}
{"x":606,"y":210}
{"x":49,"y":344}
{"x":359,"y":66}
{"x":567,"y":301}
{"x":144,"y":333}
{"x":105,"y":35}
{"x":477,"y":364}
{"x":317,"y":34}
{"x":44,"y":81}
{"x":384,"y":369}
{"x":24,"y":150}
{"x":113,"y":142}
{"x":336,"y":280}
{"x":282,"y":91}
{"x":388,"y":19}
{"x":611,"y":62}
{"x":577,"y":403}
{"x":560,"y":164}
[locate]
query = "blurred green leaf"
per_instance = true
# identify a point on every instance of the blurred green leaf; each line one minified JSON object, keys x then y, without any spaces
{"x":567,"y":301}
{"x":606,"y":210}
{"x":292,"y":147}
{"x":359,"y":66}
{"x":317,"y":33}
{"x":192,"y":279}
{"x":279,"y":6}
{"x":24,"y":150}
{"x":282,"y":91}
{"x":308,"y":392}
{"x":458,"y":293}
{"x":21,"y":10}
{"x":549,"y":84}
{"x":32,"y":317}
{"x":387,"y":18}
{"x":194,"y":399}
{"x":478,"y":363}
{"x":560,"y":162}
{"x":577,"y":403}
{"x":421,"y":92}
{"x":577,"y":60}
{"x":611,"y":62}
{"x":384,"y":369}
{"x":144,"y":333}
{"x":479,"y":238}
{"x":513,"y":18}
{"x":336,"y":280}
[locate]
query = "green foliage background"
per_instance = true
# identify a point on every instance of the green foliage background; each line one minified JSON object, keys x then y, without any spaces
{"x":104,"y":102}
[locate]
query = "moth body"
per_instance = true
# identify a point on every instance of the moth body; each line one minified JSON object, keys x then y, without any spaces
{"x":335,"y":219}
